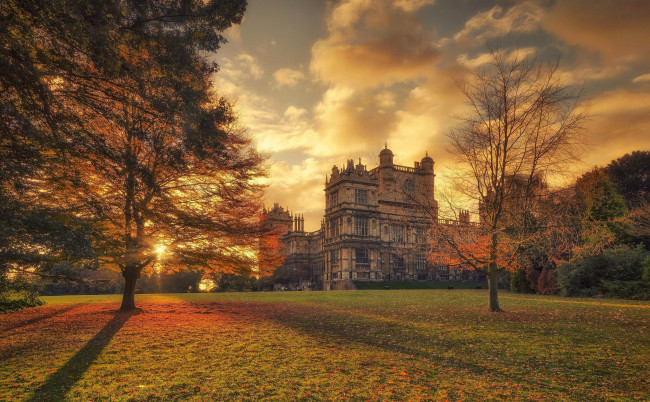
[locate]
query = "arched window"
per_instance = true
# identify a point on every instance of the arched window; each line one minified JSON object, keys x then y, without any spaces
{"x":409,"y":187}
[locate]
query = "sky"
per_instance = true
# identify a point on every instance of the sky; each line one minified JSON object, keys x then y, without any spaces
{"x":318,"y":82}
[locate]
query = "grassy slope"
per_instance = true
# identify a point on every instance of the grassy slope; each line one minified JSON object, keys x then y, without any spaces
{"x":418,"y":344}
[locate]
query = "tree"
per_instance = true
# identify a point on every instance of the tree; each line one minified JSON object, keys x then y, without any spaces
{"x":602,"y":211}
{"x":37,"y":236}
{"x":524,"y":123}
{"x":631,"y":175}
{"x":147,"y":150}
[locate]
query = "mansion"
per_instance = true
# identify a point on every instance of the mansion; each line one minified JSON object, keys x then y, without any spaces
{"x":372,"y":229}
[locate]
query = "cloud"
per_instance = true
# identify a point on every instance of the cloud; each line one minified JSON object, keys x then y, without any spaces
{"x":233,"y":34}
{"x":299,"y":187}
{"x":495,"y":23}
{"x":482,"y":59}
{"x":412,"y":5}
{"x":293,"y":130}
{"x":244,"y":66}
{"x":427,"y":116}
{"x":372,"y":43}
{"x":352,"y":122}
{"x":617,"y":30}
{"x":294,"y":113}
{"x":642,"y":78}
{"x":619,"y":124}
{"x":288,"y":77}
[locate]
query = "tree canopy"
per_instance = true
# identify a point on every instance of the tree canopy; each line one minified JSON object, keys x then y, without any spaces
{"x":113,"y":102}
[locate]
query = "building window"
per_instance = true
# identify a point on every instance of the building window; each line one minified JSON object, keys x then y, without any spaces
{"x":334,"y":258}
{"x":362,"y":256}
{"x":334,"y":227}
{"x":419,"y":235}
{"x":361,"y":226}
{"x":334,"y":198}
{"x":397,"y":234}
{"x":420,"y":262}
{"x":409,"y":188}
{"x":360,"y":196}
{"x":398,"y":261}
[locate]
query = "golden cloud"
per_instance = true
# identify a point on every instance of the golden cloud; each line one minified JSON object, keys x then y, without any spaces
{"x":288,"y":77}
{"x":299,"y":188}
{"x":618,"y":30}
{"x":619,"y":125}
{"x":373,"y":43}
{"x":641,"y":78}
{"x":495,"y":23}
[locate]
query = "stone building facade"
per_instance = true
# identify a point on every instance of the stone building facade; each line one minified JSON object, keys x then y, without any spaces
{"x":372,"y":229}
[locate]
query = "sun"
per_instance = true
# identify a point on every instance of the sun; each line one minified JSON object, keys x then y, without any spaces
{"x":160,"y":249}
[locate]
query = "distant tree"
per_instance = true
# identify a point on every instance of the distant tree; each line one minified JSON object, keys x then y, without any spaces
{"x":524,"y":122}
{"x":602,"y":210}
{"x":123,"y":89}
{"x":631,"y":175}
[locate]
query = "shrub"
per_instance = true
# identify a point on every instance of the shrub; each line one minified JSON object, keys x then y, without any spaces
{"x":612,"y":272}
{"x":547,"y":282}
{"x":17,"y":294}
{"x":519,"y":282}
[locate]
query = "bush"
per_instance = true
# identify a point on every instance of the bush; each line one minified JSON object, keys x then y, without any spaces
{"x":547,"y":282}
{"x":519,"y":282}
{"x":646,"y":269}
{"x":639,"y":290}
{"x":613,"y":273}
{"x":17,"y":294}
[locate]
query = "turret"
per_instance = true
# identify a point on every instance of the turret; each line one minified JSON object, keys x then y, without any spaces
{"x":360,"y":168}
{"x":386,"y":156}
{"x":427,"y":163}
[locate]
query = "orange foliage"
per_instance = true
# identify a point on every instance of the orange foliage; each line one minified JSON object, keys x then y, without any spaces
{"x":467,"y":247}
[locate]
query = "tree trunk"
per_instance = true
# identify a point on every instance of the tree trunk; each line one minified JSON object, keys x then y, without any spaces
{"x":128,"y":297}
{"x":493,"y":282}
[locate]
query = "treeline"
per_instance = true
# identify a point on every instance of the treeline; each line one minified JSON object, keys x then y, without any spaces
{"x":186,"y":281}
{"x":593,"y":237}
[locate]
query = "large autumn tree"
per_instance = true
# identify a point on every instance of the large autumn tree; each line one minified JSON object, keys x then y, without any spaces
{"x":144,"y":147}
{"x":524,"y":124}
{"x":37,"y":235}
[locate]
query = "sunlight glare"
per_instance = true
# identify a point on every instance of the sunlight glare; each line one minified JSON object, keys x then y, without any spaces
{"x":160,"y":249}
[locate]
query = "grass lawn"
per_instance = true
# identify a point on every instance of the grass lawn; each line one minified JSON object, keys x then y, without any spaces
{"x":397,"y":344}
{"x":420,"y":285}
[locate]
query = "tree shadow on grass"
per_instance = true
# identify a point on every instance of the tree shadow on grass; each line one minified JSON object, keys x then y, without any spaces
{"x":41,"y":317}
{"x":58,"y":384}
{"x":448,"y":352}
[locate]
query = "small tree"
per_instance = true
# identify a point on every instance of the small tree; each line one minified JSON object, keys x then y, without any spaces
{"x":524,"y":122}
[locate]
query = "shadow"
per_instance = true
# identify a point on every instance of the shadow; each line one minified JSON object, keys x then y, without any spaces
{"x":344,"y":328}
{"x":57,"y":385}
{"x":41,"y":317}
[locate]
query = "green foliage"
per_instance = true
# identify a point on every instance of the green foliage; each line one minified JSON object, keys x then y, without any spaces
{"x":17,"y":294}
{"x":603,"y":202}
{"x":603,"y":210}
{"x":519,"y":282}
{"x":646,"y":269}
{"x":631,"y":175}
{"x":604,"y":274}
{"x":637,"y":290}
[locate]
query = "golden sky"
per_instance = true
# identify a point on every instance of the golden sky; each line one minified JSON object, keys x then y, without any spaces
{"x":318,"y":82}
